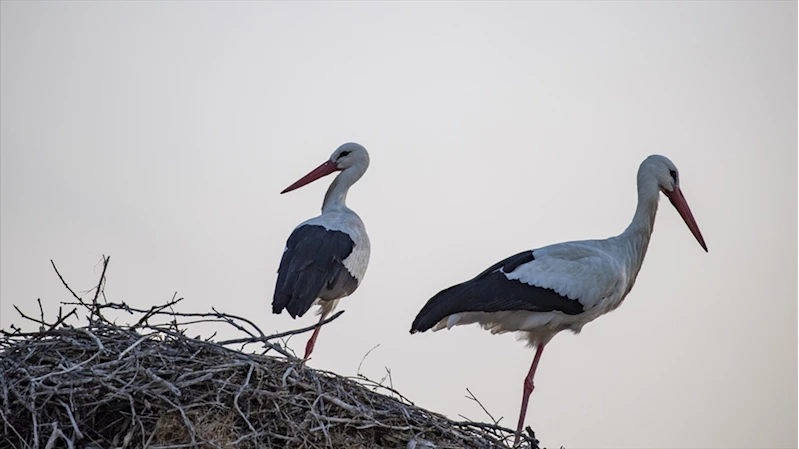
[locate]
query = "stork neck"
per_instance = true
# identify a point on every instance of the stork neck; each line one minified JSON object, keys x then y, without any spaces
{"x":645,"y":211}
{"x":336,"y":196}
{"x":637,"y":235}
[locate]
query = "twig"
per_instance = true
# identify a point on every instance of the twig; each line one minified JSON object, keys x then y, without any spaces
{"x":63,"y":318}
{"x":102,"y":278}
{"x":230,"y":319}
{"x":41,"y":310}
{"x":358,"y":372}
{"x":78,"y":433}
{"x":238,"y":395}
{"x":65,"y":282}
{"x":474,"y":398}
{"x":40,"y":322}
{"x":219,"y":345}
{"x":7,"y":424}
{"x":153,"y":310}
{"x":131,"y":347}
{"x":282,"y":334}
{"x":390,"y":380}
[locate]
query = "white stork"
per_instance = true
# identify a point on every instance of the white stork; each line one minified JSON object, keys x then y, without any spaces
{"x":325,"y":257}
{"x":562,"y":286}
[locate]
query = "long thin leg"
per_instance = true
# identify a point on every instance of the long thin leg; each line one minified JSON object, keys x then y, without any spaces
{"x":312,"y":341}
{"x":528,"y":388}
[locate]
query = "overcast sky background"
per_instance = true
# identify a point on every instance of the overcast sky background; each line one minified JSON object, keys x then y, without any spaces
{"x":161,"y":134}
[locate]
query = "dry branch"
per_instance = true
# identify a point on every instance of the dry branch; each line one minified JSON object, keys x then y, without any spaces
{"x":101,"y":384}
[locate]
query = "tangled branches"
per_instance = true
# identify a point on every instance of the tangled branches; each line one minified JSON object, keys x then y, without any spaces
{"x":149,"y":385}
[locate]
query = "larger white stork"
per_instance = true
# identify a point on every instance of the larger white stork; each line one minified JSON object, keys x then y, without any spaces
{"x":325,"y":257}
{"x":562,"y":286}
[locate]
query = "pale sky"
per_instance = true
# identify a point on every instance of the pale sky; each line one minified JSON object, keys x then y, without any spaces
{"x":162,"y":133}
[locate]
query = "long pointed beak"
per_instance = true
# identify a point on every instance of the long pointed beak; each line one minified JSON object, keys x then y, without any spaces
{"x":679,"y":203}
{"x":320,"y":171}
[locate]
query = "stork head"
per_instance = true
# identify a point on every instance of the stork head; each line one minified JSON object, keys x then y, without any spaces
{"x":662,"y":171}
{"x":350,"y":155}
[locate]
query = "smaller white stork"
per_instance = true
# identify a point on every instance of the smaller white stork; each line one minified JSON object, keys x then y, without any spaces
{"x":562,"y":286}
{"x":325,"y":257}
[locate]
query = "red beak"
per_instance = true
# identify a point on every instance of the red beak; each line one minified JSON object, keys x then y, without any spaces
{"x":320,"y":171}
{"x":679,"y":203}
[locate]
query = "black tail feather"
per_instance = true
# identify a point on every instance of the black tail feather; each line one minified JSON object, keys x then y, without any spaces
{"x":440,"y":306}
{"x":297,"y":298}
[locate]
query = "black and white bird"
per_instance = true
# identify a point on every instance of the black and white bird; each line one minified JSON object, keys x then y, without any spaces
{"x":325,"y":257}
{"x":562,"y":286}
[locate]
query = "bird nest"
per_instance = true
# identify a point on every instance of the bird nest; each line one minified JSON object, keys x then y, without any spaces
{"x":150,"y":385}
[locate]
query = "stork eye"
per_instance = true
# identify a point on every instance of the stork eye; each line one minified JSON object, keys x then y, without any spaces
{"x":344,"y":153}
{"x":673,"y":175}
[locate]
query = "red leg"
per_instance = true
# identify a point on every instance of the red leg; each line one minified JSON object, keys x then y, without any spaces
{"x":312,"y":341}
{"x":528,"y":388}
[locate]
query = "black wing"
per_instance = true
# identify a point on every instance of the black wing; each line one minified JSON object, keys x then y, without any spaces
{"x":492,"y":291}
{"x":312,"y":268}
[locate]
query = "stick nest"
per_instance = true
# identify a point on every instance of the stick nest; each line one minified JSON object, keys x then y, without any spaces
{"x":149,"y":385}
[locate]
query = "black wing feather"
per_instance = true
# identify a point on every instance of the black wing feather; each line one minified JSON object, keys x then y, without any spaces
{"x":312,"y":267}
{"x":492,"y":291}
{"x":510,"y":264}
